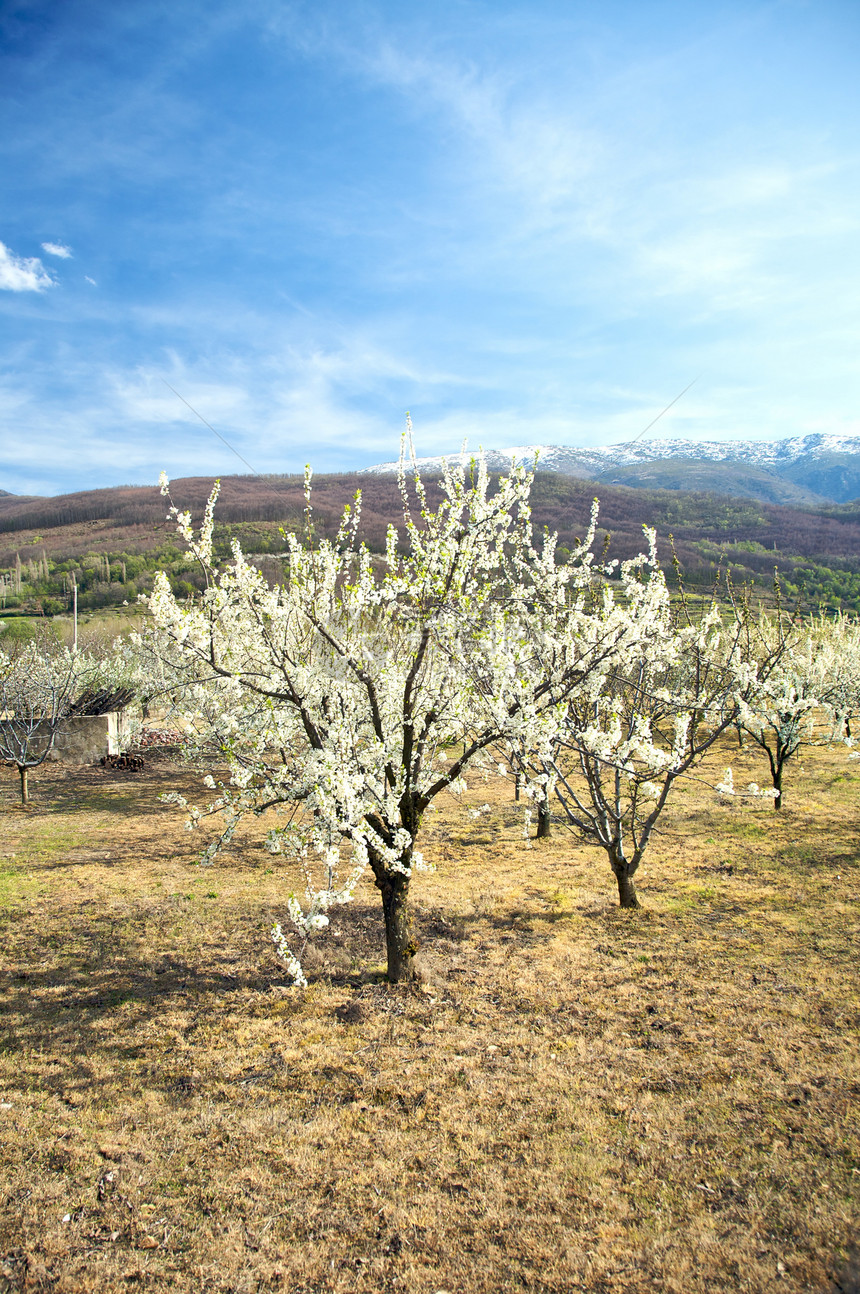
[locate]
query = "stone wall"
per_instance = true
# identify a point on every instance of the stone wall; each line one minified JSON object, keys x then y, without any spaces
{"x":84,"y":740}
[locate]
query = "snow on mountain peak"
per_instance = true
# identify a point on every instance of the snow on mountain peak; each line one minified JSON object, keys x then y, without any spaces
{"x":586,"y":460}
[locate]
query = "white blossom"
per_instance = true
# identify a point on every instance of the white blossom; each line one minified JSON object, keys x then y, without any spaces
{"x":727,"y":785}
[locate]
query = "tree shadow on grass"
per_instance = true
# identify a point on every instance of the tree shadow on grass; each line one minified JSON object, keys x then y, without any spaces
{"x":89,"y":788}
{"x":79,"y":982}
{"x":91,"y":998}
{"x":847,"y":1281}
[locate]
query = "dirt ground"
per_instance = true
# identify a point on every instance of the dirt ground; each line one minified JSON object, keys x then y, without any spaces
{"x":574,"y":1098}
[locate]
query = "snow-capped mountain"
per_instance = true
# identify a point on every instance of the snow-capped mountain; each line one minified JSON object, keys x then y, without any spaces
{"x":811,"y":469}
{"x":573,"y":461}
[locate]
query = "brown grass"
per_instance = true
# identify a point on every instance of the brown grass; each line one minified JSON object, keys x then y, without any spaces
{"x":575,"y":1098}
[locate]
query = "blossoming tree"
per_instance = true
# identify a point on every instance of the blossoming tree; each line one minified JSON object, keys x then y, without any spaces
{"x":43,"y":683}
{"x":348,"y":697}
{"x":647,"y":718}
{"x":38,"y":684}
{"x":816,"y":677}
{"x":839,"y":639}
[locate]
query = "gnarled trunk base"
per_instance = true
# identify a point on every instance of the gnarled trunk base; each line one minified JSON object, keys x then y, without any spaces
{"x":400,"y":944}
{"x":627,"y":896}
{"x":544,"y":821}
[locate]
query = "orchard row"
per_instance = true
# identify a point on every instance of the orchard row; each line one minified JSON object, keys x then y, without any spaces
{"x":344,"y":699}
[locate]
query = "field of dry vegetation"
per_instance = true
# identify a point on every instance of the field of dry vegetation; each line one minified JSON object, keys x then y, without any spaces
{"x":574,"y":1098}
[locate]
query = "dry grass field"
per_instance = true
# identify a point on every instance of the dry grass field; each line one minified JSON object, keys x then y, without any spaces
{"x":575,"y":1097}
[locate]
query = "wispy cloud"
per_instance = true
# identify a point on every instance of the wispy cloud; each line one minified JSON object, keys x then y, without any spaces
{"x":58,"y":249}
{"x":591,"y":183}
{"x":22,"y":273}
{"x":525,"y":143}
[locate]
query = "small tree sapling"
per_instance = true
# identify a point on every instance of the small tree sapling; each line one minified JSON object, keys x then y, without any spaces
{"x":39,"y":681}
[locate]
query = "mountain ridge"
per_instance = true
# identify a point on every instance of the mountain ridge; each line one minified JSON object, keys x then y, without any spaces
{"x":760,"y":452}
{"x":809,"y":470}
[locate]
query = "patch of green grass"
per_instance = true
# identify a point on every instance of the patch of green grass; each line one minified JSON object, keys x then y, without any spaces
{"x":745,"y":828}
{"x":560,"y":899}
{"x":16,"y":884}
{"x":44,"y":843}
{"x":675,"y":903}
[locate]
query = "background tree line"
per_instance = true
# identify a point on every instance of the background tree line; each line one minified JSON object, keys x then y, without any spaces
{"x":113,"y":541}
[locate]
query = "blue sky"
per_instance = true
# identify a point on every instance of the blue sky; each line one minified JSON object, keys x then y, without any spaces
{"x":526,"y":223}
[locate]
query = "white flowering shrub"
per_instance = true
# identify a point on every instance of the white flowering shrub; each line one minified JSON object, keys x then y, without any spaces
{"x":752,"y":790}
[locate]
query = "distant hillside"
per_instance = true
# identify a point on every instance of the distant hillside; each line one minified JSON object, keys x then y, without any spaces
{"x":739,"y":480}
{"x":112,"y":541}
{"x":804,"y":471}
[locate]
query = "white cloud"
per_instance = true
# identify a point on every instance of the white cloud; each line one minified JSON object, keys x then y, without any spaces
{"x":521,"y":141}
{"x":341,"y":406}
{"x":142,"y":397}
{"x":22,"y":273}
{"x":556,"y":175}
{"x":58,"y":249}
{"x":704,"y":262}
{"x":89,"y":280}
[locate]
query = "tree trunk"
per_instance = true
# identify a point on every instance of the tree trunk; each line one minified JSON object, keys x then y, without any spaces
{"x":544,"y":822}
{"x":777,"y":786}
{"x":399,"y":943}
{"x":517,"y":787}
{"x":627,"y":896}
{"x":25,"y":785}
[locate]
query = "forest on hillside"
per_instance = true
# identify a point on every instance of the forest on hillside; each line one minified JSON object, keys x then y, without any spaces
{"x":109,"y":542}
